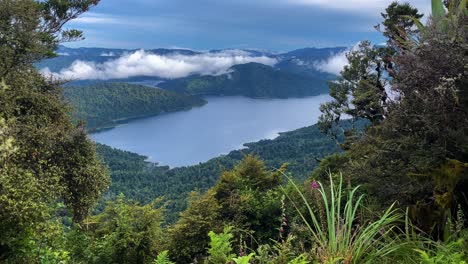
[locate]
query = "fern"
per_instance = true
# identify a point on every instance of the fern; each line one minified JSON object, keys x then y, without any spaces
{"x":163,"y":258}
{"x":220,"y":246}
{"x":244,"y":259}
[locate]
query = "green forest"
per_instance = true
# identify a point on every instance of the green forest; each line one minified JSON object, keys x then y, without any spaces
{"x":105,"y":104}
{"x":387,"y":185}
{"x":143,"y":181}
{"x":251,"y":80}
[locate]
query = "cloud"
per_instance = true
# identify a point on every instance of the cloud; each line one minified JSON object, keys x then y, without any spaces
{"x":333,"y":64}
{"x":344,"y":4}
{"x":108,"y":54}
{"x":97,"y":18}
{"x":360,"y":6}
{"x":143,"y":63}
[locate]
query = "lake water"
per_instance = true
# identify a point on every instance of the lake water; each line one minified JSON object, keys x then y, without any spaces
{"x":224,"y":124}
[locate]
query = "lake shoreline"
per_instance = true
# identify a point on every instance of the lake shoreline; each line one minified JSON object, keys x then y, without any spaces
{"x":126,"y":120}
{"x":185,"y":138}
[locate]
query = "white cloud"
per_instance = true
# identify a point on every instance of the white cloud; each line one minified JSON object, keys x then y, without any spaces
{"x":107,"y":54}
{"x":360,"y":5}
{"x":97,"y":18}
{"x":334,"y":64}
{"x":344,"y":4}
{"x":142,"y":63}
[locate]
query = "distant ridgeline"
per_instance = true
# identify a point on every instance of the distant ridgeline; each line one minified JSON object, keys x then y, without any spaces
{"x":144,"y":181}
{"x":294,"y":75}
{"x":103,"y":105}
{"x":251,"y":79}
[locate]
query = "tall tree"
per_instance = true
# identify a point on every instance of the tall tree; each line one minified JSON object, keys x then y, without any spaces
{"x":50,"y":159}
{"x":417,"y":152}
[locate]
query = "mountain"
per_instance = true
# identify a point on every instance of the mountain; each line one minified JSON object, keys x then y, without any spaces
{"x":252,"y":80}
{"x":303,"y":61}
{"x":66,"y":56}
{"x":106,"y":104}
{"x":300,"y":61}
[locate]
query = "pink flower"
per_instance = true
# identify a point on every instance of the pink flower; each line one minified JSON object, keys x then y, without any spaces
{"x":314,"y":185}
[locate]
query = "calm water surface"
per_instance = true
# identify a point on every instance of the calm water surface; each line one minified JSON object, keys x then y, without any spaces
{"x":224,"y":124}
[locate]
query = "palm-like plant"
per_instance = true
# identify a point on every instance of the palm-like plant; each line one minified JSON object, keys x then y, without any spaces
{"x":341,"y":239}
{"x":444,"y":21}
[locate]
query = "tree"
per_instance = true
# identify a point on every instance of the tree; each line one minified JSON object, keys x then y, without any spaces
{"x":49,"y":159}
{"x":417,"y":152}
{"x":399,"y":24}
{"x":361,"y":91}
{"x":189,"y":236}
{"x":125,"y":233}
{"x":250,"y":198}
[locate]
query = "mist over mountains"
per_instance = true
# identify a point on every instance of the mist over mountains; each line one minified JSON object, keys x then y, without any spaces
{"x":80,"y":64}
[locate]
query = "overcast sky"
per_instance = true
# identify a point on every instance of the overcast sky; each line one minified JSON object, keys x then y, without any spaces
{"x":275,"y":25}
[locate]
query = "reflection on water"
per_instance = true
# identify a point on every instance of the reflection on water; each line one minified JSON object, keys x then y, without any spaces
{"x":224,"y":124}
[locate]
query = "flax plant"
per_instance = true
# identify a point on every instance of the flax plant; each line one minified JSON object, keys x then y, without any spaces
{"x":341,"y":239}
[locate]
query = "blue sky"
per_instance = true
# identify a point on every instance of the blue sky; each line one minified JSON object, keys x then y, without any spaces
{"x":275,"y":25}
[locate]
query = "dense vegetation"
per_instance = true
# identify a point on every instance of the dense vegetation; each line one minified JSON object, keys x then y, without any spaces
{"x":45,"y":161}
{"x":252,"y":80}
{"x":144,"y":181}
{"x":105,"y":104}
{"x":415,"y":152}
{"x":411,"y":161}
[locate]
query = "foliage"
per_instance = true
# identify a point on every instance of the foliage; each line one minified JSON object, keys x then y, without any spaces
{"x":188,"y":237}
{"x":399,"y":23}
{"x":244,"y":259}
{"x":252,"y":80}
{"x":415,"y":152}
{"x":103,"y":105}
{"x":144,"y":181}
{"x":299,"y":260}
{"x":452,"y":252}
{"x":340,"y":239}
{"x":163,"y":258}
{"x":220,"y":250}
{"x":31,"y":30}
{"x":250,"y":198}
{"x":247,"y":198}
{"x":360,"y":90}
{"x":46,"y":158}
{"x":123,"y":233}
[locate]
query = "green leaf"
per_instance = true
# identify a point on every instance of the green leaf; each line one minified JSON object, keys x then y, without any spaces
{"x":438,"y":10}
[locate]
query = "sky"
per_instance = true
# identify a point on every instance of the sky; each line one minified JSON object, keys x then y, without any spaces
{"x":273,"y":25}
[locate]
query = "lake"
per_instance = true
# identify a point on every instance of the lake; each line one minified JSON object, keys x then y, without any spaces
{"x":224,"y":124}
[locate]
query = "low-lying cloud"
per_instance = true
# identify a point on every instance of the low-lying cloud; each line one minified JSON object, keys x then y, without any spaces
{"x":108,"y":54}
{"x":170,"y":66}
{"x":334,"y":64}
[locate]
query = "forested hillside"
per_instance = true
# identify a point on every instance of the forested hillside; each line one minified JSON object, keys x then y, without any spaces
{"x":392,"y":191}
{"x":105,"y":104}
{"x":304,"y":61}
{"x":252,"y":80}
{"x":144,"y":181}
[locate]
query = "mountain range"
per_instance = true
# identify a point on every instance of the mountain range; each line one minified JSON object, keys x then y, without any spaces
{"x":300,"y":61}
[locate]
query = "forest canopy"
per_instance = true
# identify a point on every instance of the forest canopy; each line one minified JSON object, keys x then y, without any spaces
{"x":393,"y":191}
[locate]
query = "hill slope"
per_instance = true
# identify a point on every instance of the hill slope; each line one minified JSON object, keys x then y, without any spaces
{"x":106,"y":104}
{"x":145,"y":181}
{"x":252,"y":80}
